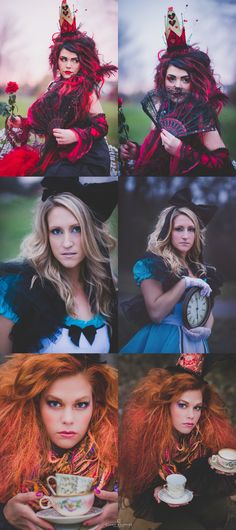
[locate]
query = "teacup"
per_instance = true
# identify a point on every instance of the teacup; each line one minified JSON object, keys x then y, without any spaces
{"x":68,"y":505}
{"x":175,"y":485}
{"x":226,"y":458}
{"x":69,"y":484}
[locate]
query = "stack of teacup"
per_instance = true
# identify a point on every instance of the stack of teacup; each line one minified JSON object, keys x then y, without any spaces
{"x":71,"y":494}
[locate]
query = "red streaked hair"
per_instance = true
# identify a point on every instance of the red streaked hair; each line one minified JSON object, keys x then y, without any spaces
{"x":24,"y":443}
{"x":90,"y":65}
{"x":147,"y":432}
{"x":198,"y":66}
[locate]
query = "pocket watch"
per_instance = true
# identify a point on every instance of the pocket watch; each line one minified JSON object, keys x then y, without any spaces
{"x":196,"y":308}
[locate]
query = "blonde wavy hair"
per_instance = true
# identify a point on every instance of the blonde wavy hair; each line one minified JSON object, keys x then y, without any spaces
{"x":96,"y":242}
{"x":164,"y":247}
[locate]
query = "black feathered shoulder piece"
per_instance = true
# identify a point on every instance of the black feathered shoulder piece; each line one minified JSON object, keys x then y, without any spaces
{"x":37,"y":306}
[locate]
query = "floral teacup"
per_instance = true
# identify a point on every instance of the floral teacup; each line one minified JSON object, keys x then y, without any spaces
{"x":69,"y":484}
{"x":70,"y":505}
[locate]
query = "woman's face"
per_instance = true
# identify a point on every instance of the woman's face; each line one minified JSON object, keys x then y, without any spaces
{"x":177,"y":83}
{"x":66,"y":409}
{"x":65,"y":237}
{"x":186,"y":411}
{"x":68,"y":63}
{"x":182,"y":234}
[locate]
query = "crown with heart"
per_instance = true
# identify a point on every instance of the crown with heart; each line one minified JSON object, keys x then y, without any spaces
{"x":174,"y":31}
{"x":67,"y":21}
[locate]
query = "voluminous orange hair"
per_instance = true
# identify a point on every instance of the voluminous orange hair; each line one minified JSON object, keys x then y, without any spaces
{"x":147,"y":432}
{"x":25,"y":446}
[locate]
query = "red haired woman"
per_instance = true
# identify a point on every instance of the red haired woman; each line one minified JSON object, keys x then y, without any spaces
{"x":69,"y":115}
{"x":184,"y":108}
{"x":42,"y":399}
{"x":173,"y":422}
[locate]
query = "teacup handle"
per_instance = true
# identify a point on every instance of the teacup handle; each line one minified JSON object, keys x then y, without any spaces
{"x":214,"y":458}
{"x":48,"y":501}
{"x":49,"y":485}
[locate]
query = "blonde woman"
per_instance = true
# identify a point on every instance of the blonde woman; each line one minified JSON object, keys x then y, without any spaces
{"x":60,"y":296}
{"x":172,"y":265}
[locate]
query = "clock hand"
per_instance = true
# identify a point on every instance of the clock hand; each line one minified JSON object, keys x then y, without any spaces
{"x":197,"y":308}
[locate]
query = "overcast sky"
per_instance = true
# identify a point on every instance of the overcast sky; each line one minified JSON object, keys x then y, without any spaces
{"x":142,"y":25}
{"x":34,"y":21}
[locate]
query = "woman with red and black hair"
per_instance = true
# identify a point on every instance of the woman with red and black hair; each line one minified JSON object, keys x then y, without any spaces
{"x":58,"y":414}
{"x":184,"y":107}
{"x":172,"y":423}
{"x":69,"y":115}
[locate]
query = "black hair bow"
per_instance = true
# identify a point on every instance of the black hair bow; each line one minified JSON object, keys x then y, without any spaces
{"x":101,"y":198}
{"x":204,"y":212}
{"x":182,"y":198}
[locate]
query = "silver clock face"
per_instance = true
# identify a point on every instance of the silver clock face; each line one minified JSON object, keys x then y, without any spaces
{"x":197,"y":309}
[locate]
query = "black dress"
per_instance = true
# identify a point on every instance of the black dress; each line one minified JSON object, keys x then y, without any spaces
{"x":210,"y":508}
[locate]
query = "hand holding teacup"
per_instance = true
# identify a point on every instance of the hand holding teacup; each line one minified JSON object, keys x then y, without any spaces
{"x":175,"y":489}
{"x":175,"y":485}
{"x":224,"y":462}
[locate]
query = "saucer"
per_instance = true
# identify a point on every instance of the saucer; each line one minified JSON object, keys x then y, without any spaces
{"x":53,"y":516}
{"x":219,"y":467}
{"x":165,"y":497}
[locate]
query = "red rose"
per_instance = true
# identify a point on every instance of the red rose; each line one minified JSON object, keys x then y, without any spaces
{"x":120,"y":102}
{"x":11,"y":87}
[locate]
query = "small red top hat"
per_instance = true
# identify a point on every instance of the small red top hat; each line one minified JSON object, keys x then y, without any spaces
{"x":192,"y":362}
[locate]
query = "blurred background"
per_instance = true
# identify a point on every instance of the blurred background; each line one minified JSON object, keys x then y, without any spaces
{"x":222,"y":375}
{"x":26,"y":30}
{"x":18,"y":199}
{"x":210,"y":25}
{"x":141,"y":200}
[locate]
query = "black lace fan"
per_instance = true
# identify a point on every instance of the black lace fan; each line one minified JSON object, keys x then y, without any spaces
{"x":180,"y":114}
{"x":52,"y":111}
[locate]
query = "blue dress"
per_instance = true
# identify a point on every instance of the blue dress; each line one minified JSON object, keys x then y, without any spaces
{"x":167,"y":336}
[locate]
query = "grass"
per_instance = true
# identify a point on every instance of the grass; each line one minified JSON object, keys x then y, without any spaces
{"x":109,"y":107}
{"x":140,"y":125}
{"x":15,"y":222}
